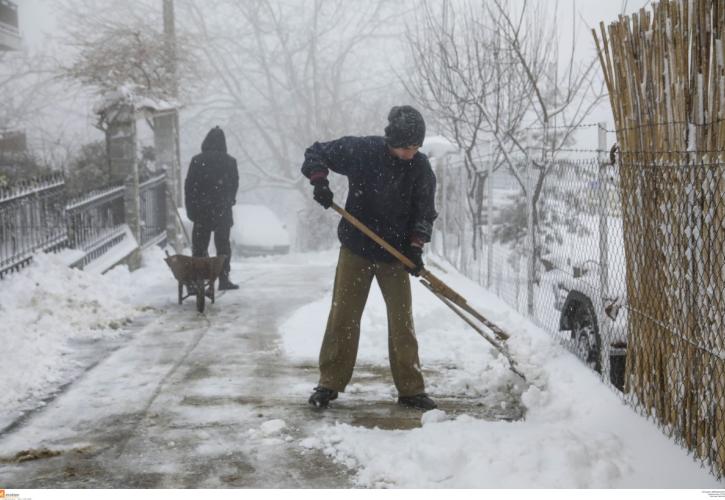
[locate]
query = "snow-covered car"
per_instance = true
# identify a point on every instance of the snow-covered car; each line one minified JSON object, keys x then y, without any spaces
{"x":597,"y":325}
{"x":258,"y":231}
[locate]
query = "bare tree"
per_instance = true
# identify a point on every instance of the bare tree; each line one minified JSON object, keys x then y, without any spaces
{"x":465,"y":75}
{"x":559,"y":102}
{"x":288,"y":74}
{"x":490,"y":72}
{"x":113,"y":45}
{"x":30,"y":96}
{"x":25,"y":79}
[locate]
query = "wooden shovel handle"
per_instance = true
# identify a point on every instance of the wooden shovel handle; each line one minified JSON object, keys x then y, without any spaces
{"x":377,"y":239}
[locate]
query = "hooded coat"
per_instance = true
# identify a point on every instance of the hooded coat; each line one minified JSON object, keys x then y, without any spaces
{"x":393,"y":197}
{"x":211,"y":184}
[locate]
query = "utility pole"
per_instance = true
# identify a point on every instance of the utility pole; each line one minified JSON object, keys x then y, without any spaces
{"x":170,"y":40}
{"x":166,"y":127}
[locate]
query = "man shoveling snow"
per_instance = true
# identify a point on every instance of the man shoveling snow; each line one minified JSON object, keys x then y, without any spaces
{"x":392,"y":190}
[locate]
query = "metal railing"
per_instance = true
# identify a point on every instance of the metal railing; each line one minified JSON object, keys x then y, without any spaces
{"x":35,"y":216}
{"x":94,"y":216}
{"x":31,"y":220}
{"x":153,"y":211}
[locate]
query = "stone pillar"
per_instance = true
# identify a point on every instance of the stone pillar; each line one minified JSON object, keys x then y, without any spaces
{"x":132,"y":204}
{"x":121,"y":137}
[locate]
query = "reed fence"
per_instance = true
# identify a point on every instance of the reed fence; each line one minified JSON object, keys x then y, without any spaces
{"x":665,"y":72}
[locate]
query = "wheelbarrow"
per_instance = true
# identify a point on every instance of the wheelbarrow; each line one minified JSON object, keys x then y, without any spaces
{"x":198,"y":274}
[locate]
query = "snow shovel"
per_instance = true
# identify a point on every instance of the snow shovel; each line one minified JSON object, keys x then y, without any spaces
{"x":446,"y":294}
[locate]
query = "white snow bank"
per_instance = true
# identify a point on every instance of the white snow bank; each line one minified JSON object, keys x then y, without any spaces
{"x":465,"y":364}
{"x":46,"y":310}
{"x":576,"y":434}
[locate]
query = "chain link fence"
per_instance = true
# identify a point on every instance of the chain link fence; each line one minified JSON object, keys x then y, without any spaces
{"x":674,"y":216}
{"x":624,"y":265}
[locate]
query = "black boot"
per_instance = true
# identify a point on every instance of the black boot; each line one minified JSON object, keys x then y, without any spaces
{"x":225,"y":284}
{"x":322,"y":396}
{"x":419,"y":401}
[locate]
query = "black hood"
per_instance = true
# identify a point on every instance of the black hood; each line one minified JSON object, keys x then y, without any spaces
{"x":214,"y":141}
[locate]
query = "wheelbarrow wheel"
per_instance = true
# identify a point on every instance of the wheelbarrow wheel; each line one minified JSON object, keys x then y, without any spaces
{"x":200,"y":298}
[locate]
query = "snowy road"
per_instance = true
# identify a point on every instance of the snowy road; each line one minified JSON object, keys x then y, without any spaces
{"x":202,"y":401}
{"x":175,"y":399}
{"x":186,"y":403}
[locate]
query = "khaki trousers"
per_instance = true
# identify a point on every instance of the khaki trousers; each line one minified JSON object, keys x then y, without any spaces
{"x":353,"y":278}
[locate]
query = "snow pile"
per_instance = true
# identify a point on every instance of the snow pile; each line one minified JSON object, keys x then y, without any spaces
{"x":270,"y":433}
{"x":584,"y":439}
{"x":273,"y":427}
{"x":576,"y":432}
{"x":47,"y":311}
{"x":433,"y":416}
{"x":464,"y":364}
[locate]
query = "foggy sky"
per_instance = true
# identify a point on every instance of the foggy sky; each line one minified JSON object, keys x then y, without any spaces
{"x":37,"y":25}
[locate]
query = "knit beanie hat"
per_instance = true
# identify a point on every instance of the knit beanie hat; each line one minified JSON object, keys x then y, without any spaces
{"x":406,"y":127}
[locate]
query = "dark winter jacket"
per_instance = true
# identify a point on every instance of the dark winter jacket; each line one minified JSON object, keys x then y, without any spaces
{"x":211,"y":184}
{"x":393,"y":197}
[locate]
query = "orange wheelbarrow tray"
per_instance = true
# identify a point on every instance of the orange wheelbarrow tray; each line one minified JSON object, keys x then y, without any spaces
{"x":198,"y":274}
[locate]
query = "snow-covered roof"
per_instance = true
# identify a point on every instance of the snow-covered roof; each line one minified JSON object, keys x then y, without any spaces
{"x":436,"y":146}
{"x":130,"y":95}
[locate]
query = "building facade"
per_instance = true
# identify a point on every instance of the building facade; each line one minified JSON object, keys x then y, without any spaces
{"x":9,"y":32}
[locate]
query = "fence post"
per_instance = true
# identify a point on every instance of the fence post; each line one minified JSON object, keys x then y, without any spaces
{"x":132,"y":204}
{"x":603,"y":220}
{"x":442,"y":174}
{"x":489,"y":223}
{"x":604,"y":332}
{"x":436,"y":240}
{"x":464,"y":226}
{"x":531,"y":261}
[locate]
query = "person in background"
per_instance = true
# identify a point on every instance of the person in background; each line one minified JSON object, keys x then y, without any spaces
{"x":392,"y":191}
{"x":210,"y":192}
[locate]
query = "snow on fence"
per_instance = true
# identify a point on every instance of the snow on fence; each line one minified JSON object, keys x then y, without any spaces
{"x":31,"y":220}
{"x":626,"y":265}
{"x":665,"y":72}
{"x":569,"y":281}
{"x":638,"y":298}
{"x":36,"y":216}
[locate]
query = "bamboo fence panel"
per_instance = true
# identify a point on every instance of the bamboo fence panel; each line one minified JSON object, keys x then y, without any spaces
{"x":665,"y":72}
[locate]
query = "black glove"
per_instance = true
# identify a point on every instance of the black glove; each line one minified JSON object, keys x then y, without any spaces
{"x":415,"y":253}
{"x":322,"y":193}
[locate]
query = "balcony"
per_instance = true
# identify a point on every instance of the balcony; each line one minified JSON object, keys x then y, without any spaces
{"x":9,"y":34}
